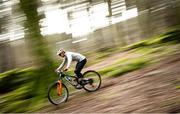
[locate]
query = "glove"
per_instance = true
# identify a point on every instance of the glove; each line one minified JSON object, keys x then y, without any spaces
{"x":57,"y":70}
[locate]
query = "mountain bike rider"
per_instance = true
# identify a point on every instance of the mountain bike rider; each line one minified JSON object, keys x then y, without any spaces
{"x":68,"y":57}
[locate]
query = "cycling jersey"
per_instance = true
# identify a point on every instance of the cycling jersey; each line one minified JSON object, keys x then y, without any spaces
{"x":69,"y":57}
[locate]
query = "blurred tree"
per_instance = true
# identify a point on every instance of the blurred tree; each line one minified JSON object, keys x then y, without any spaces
{"x":5,"y":61}
{"x":109,"y":7}
{"x":3,"y":17}
{"x":145,"y":19}
{"x":38,"y":46}
{"x":1,"y":22}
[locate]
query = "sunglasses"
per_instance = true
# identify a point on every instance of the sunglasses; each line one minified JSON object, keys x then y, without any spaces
{"x":59,"y":54}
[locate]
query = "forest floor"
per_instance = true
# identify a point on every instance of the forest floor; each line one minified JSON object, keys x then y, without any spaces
{"x":154,"y":88}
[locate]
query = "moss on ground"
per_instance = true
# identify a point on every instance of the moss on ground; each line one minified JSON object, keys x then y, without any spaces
{"x":178,"y":87}
{"x":118,"y":69}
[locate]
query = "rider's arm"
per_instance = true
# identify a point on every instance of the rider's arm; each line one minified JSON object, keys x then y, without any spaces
{"x":69,"y":60}
{"x":62,"y":64}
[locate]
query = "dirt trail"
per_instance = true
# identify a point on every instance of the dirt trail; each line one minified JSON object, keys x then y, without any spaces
{"x":106,"y":62}
{"x":111,"y":60}
{"x":151,"y":89}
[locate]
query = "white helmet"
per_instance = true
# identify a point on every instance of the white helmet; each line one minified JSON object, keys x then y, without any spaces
{"x":60,"y":51}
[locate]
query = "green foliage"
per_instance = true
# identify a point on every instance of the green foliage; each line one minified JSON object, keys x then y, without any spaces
{"x":19,"y":106}
{"x":178,"y":87}
{"x":14,"y":87}
{"x":13,"y":79}
{"x":120,"y":68}
{"x":18,"y":87}
{"x":15,"y":99}
{"x":136,"y":45}
{"x":36,"y":79}
{"x":129,"y":68}
{"x":170,"y":36}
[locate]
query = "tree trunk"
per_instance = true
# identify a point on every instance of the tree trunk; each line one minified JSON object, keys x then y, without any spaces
{"x":38,"y":47}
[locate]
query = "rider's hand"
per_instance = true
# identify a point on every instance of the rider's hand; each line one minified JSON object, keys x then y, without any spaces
{"x":65,"y":69}
{"x":57,"y":70}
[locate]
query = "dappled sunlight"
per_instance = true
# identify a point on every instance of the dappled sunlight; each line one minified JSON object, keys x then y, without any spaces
{"x":55,"y":22}
{"x":82,"y":22}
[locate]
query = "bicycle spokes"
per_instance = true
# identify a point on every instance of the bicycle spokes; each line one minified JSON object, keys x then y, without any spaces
{"x":92,"y":85}
{"x":57,"y":93}
{"x":93,"y":80}
{"x":86,"y":81}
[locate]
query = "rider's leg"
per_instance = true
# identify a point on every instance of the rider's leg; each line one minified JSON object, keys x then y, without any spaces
{"x":79,"y":67}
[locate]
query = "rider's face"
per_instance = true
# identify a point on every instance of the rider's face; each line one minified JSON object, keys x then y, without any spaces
{"x":62,"y":54}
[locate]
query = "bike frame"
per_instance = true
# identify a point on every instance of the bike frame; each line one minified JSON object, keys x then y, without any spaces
{"x":62,"y":90}
{"x":63,"y":75}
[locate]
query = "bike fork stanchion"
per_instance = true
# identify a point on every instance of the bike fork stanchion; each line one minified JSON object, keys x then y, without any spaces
{"x":59,"y":88}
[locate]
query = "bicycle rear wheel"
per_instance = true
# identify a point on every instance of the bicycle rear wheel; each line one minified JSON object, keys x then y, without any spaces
{"x":53,"y":95}
{"x":94,"y":79}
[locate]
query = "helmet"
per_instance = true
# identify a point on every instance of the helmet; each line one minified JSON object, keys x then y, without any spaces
{"x":60,"y":51}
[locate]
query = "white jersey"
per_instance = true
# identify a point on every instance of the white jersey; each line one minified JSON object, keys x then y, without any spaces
{"x":69,"y":57}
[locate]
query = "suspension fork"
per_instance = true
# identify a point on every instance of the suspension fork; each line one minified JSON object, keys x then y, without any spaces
{"x":59,"y":87}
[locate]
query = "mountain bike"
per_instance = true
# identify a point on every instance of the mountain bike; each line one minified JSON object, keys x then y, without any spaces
{"x":58,"y":92}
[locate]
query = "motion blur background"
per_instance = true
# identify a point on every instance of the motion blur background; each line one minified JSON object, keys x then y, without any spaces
{"x":82,"y":25}
{"x":31,"y":31}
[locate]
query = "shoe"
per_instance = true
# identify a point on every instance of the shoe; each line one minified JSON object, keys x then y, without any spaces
{"x":80,"y":79}
{"x":78,"y":86}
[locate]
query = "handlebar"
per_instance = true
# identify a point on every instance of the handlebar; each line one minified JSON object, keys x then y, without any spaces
{"x":60,"y":73}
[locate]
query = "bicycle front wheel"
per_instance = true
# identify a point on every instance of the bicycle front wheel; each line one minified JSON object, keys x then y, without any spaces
{"x":94,"y":80}
{"x":53,"y":93}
